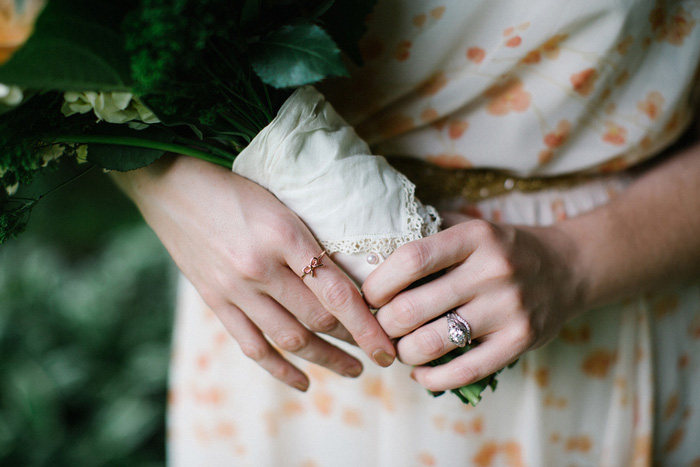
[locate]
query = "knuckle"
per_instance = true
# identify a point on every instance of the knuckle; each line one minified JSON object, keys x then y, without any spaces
{"x":286,"y":235}
{"x":416,"y":256}
{"x":465,"y":375}
{"x":483,"y":230}
{"x":371,"y":293}
{"x":367,"y":334}
{"x":339,"y":294}
{"x":429,"y":342}
{"x":406,"y":313}
{"x":250,"y":268}
{"x":281,"y":372}
{"x":256,"y":351}
{"x":291,"y":341}
{"x":323,"y":322}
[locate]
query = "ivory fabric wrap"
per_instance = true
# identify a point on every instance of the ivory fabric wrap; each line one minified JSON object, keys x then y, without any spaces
{"x":353,"y":202}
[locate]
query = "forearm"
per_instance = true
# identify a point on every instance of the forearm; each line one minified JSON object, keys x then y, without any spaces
{"x":647,"y":237}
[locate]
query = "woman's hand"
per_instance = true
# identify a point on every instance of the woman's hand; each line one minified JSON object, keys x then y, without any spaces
{"x":244,"y":252}
{"x":517,"y":286}
{"x":513,"y":285}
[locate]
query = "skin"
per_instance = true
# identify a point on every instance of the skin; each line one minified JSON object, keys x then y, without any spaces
{"x":517,"y":286}
{"x":246,"y":265}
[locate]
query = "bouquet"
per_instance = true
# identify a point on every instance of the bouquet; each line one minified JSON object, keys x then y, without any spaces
{"x":118,"y":84}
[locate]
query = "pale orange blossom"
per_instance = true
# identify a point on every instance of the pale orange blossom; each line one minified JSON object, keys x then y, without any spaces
{"x":16,"y":25}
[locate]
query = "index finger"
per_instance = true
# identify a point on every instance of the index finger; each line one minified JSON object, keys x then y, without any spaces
{"x":414,"y":261}
{"x":342,"y":299}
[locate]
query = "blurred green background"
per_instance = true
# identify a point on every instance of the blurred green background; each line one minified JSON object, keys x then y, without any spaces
{"x":86,"y":299}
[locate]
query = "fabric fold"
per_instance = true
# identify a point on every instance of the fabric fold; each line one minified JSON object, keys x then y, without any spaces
{"x":315,"y":163}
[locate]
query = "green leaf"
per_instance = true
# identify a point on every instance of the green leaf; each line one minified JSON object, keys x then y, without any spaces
{"x":295,"y":55}
{"x":122,"y":158}
{"x":76,"y":45}
{"x":123,"y":152}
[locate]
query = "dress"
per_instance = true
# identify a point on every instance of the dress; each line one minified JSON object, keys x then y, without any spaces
{"x":537,"y":89}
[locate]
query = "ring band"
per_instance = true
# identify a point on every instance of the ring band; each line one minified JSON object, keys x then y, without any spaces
{"x":311,"y":268}
{"x":458,"y":330}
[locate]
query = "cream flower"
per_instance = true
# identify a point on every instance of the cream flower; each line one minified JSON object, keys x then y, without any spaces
{"x":111,"y":107}
{"x":51,"y":153}
{"x":10,"y":95}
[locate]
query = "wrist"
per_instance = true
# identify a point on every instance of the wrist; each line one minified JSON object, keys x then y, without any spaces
{"x":576,"y":272}
{"x":563,"y":255}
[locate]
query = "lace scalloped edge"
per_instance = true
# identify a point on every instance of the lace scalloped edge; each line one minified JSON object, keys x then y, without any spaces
{"x":421,"y":221}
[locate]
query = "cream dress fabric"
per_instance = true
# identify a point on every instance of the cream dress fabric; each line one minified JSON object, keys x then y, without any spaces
{"x":542,"y":88}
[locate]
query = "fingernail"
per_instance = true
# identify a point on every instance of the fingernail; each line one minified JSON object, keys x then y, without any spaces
{"x":301,"y":385}
{"x":382,"y":358}
{"x":353,"y":371}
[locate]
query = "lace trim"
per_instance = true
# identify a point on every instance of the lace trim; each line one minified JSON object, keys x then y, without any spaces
{"x":421,"y":221}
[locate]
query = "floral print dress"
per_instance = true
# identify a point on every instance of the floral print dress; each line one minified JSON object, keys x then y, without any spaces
{"x":537,"y":89}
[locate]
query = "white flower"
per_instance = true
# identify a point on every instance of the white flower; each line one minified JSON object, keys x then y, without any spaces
{"x":11,"y":190}
{"x":82,"y":153}
{"x":51,"y":153}
{"x":112,"y":107}
{"x":10,"y":95}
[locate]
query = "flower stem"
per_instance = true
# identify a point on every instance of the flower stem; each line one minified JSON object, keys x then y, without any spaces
{"x":144,"y":143}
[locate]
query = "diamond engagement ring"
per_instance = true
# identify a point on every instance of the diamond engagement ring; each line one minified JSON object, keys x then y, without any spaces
{"x":311,"y":268}
{"x":458,"y":329}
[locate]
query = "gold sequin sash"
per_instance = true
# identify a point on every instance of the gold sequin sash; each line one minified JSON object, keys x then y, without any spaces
{"x":435,"y":183}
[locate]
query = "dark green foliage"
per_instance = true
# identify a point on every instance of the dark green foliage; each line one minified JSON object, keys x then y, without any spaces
{"x":21,"y":133}
{"x":296,"y":54}
{"x":215,"y":72}
{"x":345,"y":22}
{"x":84,"y":335}
{"x":14,"y":214}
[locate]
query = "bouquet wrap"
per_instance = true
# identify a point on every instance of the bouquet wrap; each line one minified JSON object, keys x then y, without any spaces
{"x":353,"y":202}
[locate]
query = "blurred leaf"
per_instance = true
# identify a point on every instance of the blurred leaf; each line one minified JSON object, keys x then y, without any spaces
{"x":296,"y":55}
{"x":76,"y":45}
{"x":122,"y":157}
{"x":84,"y":348}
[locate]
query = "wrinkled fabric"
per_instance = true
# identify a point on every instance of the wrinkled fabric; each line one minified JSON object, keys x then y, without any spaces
{"x":314,"y":162}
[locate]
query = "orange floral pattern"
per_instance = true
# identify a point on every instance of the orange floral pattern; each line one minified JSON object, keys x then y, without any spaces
{"x":615,"y":134}
{"x":550,"y":49}
{"x":584,"y":81}
{"x":402,"y":52}
{"x":476,"y":54}
{"x":509,"y":96}
{"x":671,"y":26}
{"x":651,"y":105}
{"x":598,"y":363}
{"x":456,"y":128}
{"x":433,"y":85}
{"x":558,"y":137}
